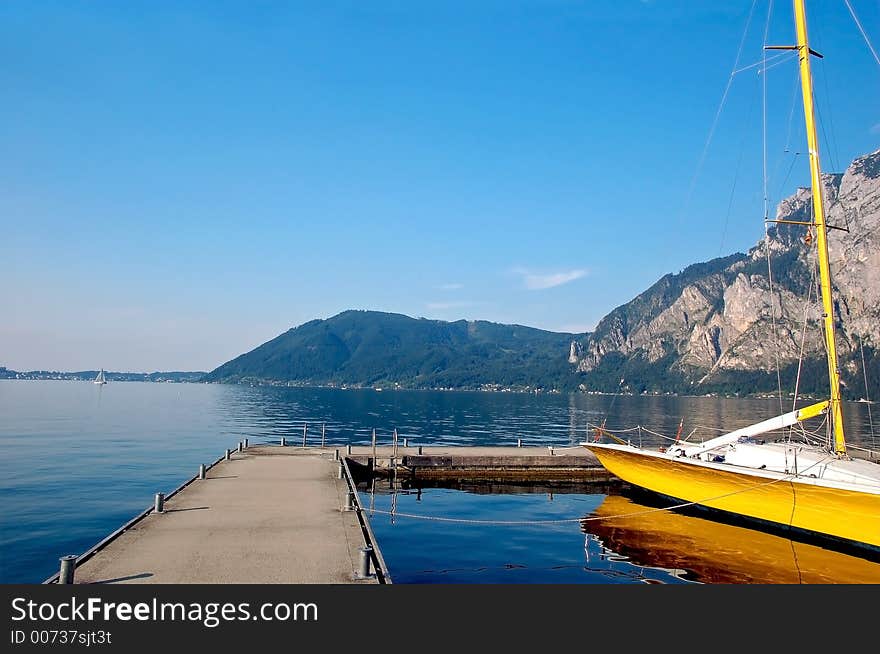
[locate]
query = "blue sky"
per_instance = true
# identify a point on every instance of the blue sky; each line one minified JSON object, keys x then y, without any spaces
{"x":182,"y":181}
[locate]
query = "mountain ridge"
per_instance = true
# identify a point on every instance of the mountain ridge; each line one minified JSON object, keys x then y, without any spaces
{"x":368,"y":348}
{"x":713,"y":327}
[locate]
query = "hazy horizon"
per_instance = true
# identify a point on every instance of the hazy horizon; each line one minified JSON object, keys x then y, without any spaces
{"x":206,"y":370}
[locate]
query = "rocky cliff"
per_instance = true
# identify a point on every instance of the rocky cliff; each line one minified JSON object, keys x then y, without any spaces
{"x":722,"y":325}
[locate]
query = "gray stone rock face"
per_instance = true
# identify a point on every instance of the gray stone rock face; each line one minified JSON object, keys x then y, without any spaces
{"x":744,"y":313}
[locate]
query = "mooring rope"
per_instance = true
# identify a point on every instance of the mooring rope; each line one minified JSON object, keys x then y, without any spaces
{"x":475,"y":521}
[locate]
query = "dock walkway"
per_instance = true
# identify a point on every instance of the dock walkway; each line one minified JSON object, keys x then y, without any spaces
{"x":267,"y":515}
{"x":283,"y":514}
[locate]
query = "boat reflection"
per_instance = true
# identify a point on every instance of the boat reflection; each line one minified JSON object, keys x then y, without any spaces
{"x":715,"y":552}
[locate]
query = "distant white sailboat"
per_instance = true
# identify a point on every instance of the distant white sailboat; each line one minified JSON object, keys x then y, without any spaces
{"x":100,"y":378}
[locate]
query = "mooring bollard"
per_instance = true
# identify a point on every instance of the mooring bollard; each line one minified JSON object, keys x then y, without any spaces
{"x":323,"y":435}
{"x":349,"y":501}
{"x":283,"y":441}
{"x":364,"y":571}
{"x":341,"y":470}
{"x":201,"y":471}
{"x":305,"y":427}
{"x":348,"y":449}
{"x":420,"y":450}
{"x":551,"y":450}
{"x":519,"y":442}
{"x":68,"y":565}
{"x":406,"y":442}
{"x":336,"y":454}
{"x":228,"y":453}
{"x":239,"y":446}
{"x":245,"y":443}
{"x":159,"y":504}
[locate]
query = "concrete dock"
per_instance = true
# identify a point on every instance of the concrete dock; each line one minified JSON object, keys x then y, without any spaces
{"x":266,"y":515}
{"x":289,"y":515}
{"x":516,"y":464}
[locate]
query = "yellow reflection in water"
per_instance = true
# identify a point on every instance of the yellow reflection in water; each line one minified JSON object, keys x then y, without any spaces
{"x":715,"y":552}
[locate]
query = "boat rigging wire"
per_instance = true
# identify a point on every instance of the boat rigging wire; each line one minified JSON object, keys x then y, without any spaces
{"x":773,"y":326}
{"x":809,"y":436}
{"x":736,"y":175}
{"x":585,"y":519}
{"x":826,"y":98}
{"x":763,"y":75}
{"x":780,"y":58}
{"x":788,"y":136}
{"x":788,"y":174}
{"x":867,"y":396}
{"x":797,"y":382}
{"x":701,"y":161}
{"x":862,"y":30}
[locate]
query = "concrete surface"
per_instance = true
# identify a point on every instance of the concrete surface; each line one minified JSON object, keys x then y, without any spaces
{"x":269,"y":515}
{"x":568,"y":463}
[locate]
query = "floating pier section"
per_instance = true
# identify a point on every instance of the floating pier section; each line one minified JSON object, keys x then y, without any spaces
{"x":516,"y":464}
{"x":285,"y":513}
{"x":264,"y":514}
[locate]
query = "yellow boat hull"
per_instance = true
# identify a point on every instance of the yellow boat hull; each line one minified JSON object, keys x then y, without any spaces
{"x":807,"y":506}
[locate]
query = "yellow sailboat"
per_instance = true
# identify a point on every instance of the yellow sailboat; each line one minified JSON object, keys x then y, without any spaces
{"x":797,"y":486}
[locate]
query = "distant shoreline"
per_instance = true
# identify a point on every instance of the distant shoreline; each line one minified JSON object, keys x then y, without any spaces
{"x":89,"y":375}
{"x":72,"y":377}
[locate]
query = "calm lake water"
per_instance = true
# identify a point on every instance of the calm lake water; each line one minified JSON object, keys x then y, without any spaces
{"x":79,"y":460}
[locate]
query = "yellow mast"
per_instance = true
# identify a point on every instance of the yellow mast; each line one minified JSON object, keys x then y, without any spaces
{"x":835,"y":408}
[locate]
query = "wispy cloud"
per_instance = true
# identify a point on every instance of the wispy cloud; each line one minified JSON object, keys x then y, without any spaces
{"x":875,"y":129}
{"x":443,"y":306}
{"x":450,"y":287}
{"x":539,"y":281}
{"x":577,"y":328}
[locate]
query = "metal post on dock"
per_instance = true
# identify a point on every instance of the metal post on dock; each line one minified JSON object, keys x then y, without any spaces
{"x":364,"y":568}
{"x":201,"y":471}
{"x":305,"y":427}
{"x":68,"y":565}
{"x":323,"y":434}
{"x":240,"y":444}
{"x":245,"y":443}
{"x":519,"y":442}
{"x":374,"y":447}
{"x":341,"y":471}
{"x":336,"y":454}
{"x":159,"y":504}
{"x":420,"y":450}
{"x":405,"y":442}
{"x":283,"y":441}
{"x":394,"y":444}
{"x":349,"y":501}
{"x":348,"y":449}
{"x":228,"y":453}
{"x":551,"y":450}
